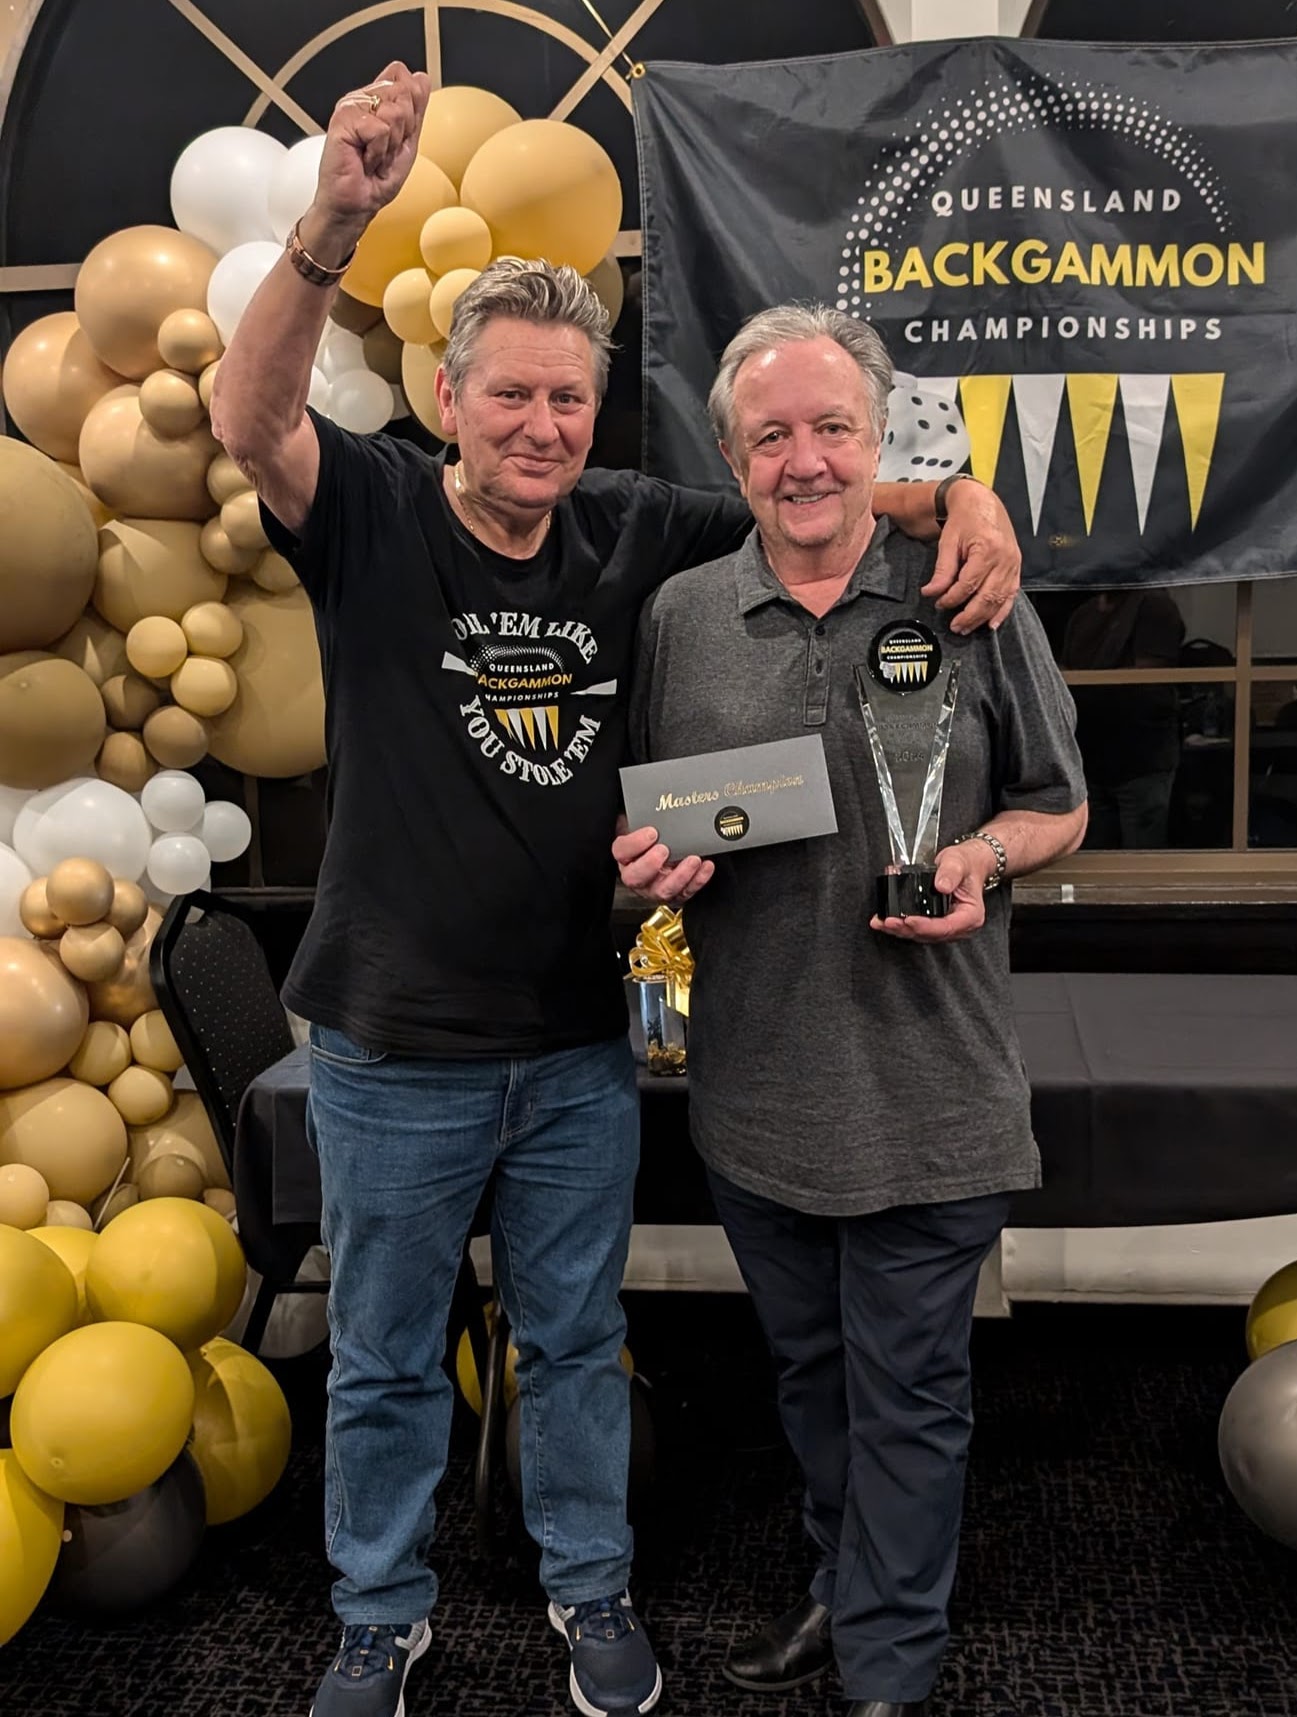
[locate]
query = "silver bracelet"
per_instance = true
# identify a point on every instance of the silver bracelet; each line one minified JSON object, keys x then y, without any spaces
{"x":997,"y":847}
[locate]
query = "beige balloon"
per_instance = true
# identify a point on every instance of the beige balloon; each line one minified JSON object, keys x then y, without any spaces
{"x":140,"y":473}
{"x":34,"y":911}
{"x":128,"y":995}
{"x":419,"y":366}
{"x":129,"y":700}
{"x":390,"y":242}
{"x":275,"y":727}
{"x":546,"y":188}
{"x":95,"y":647}
{"x":272,"y":573}
{"x":176,"y":739}
{"x":103,"y":1053}
{"x":188,"y":340}
{"x":67,"y":1130}
{"x":455,"y":238}
{"x":47,"y":549}
{"x":152,"y":1042}
{"x":187,"y":1120}
{"x":241,"y":521}
{"x":204,"y":686}
{"x":171,"y":1174}
{"x":51,"y":720}
{"x":211,"y":630}
{"x":128,"y":286}
{"x":124,"y":762}
{"x":405,"y":306}
{"x":457,"y":122}
{"x":445,"y":295}
{"x":130,"y":906}
{"x":220,"y":553}
{"x":141,"y":1095}
{"x":24,"y":1196}
{"x":63,"y":1213}
{"x":156,"y":646}
{"x":99,"y":513}
{"x":152,"y":566}
{"x":224,"y":479}
{"x":169,"y":403}
{"x":206,"y":382}
{"x":52,"y":377}
{"x":92,"y":952}
{"x":79,"y":890}
{"x":120,"y":1198}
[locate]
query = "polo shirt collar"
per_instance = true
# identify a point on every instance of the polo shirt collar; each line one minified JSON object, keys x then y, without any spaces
{"x":877,"y":574}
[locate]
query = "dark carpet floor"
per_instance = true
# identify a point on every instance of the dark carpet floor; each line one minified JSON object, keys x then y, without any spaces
{"x":1105,"y":1571}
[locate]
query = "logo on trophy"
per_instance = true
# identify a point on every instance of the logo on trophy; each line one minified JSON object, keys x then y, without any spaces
{"x":908,"y":712}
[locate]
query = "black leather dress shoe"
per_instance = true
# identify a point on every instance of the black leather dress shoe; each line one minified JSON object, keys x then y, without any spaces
{"x":887,"y":1708}
{"x":787,"y":1652}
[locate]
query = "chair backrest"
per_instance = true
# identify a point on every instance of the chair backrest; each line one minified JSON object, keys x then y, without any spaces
{"x":216,"y":992}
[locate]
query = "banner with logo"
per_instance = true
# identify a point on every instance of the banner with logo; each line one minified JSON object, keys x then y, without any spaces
{"x":1083,"y":260}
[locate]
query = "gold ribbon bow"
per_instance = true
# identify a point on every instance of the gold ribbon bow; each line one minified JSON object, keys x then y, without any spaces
{"x":661,"y":951}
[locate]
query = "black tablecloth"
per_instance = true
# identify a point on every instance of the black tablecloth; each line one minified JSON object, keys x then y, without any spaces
{"x":1155,"y":1099}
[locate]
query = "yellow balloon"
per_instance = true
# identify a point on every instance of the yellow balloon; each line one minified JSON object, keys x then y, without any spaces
{"x":31,"y":1536}
{"x":38,"y":1303}
{"x":445,"y":295}
{"x":242,"y":1429}
{"x":72,"y":1245}
{"x":172,"y":1264}
{"x":405,"y":305}
{"x":128,"y":286}
{"x":546,"y":189}
{"x":51,"y":379}
{"x":391,"y":240}
{"x":1272,"y":1316}
{"x":103,"y":1411}
{"x":457,"y":122}
{"x":455,"y":238}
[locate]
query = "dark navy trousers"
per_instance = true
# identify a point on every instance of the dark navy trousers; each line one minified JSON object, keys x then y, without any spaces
{"x":869,"y":1320}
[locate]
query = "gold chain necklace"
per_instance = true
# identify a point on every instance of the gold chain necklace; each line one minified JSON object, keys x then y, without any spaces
{"x":466,"y":504}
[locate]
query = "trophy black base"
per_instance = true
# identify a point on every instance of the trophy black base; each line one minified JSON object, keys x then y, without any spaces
{"x":911,"y":893}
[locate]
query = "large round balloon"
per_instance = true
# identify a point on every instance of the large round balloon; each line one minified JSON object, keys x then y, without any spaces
{"x":391,"y":240}
{"x":130,"y":282}
{"x":234,"y":280}
{"x":43,"y":1014}
{"x":292,"y":185}
{"x":68,"y":1131}
{"x":220,"y":186}
{"x":457,"y":122}
{"x":83,"y":818}
{"x":242,"y":1429}
{"x":38,"y":1303}
{"x":31,"y":1534}
{"x":275,"y":727}
{"x":102,"y":1413}
{"x":135,"y":470}
{"x":51,"y":379}
{"x":169,"y":1263}
{"x":51,"y":720}
{"x":119,"y":1559}
{"x":1257,"y":1441}
{"x":152,"y":566}
{"x":546,"y":189}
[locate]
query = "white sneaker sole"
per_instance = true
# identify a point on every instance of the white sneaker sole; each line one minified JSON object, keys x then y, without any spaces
{"x":579,"y":1699}
{"x":416,"y":1652}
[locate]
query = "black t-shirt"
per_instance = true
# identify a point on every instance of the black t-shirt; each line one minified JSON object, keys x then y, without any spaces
{"x":475,"y":717}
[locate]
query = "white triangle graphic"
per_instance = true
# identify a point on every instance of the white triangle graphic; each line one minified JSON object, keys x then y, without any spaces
{"x":943,"y":387}
{"x":1038,"y":400}
{"x":1144,"y":401}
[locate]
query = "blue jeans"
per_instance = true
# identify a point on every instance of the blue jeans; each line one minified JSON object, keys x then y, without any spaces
{"x":406,"y":1148}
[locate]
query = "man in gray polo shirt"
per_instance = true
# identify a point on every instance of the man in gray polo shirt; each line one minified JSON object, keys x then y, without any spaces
{"x":856,"y":1087}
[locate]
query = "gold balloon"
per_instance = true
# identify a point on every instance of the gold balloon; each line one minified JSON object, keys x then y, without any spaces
{"x":275,"y":727}
{"x":103,"y":1053}
{"x":224,"y":479}
{"x":128,"y":286}
{"x":546,"y":189}
{"x":31,"y":1536}
{"x":136,"y":471}
{"x":152,"y":566}
{"x":211,"y":630}
{"x":176,"y":739}
{"x":609,"y":287}
{"x":95,"y":647}
{"x":79,"y":890}
{"x":141,"y":1095}
{"x":445,"y":295}
{"x":185,"y":1126}
{"x":405,"y":307}
{"x":34,"y":911}
{"x":68,"y":1232}
{"x":156,"y":646}
{"x":273,"y":573}
{"x":47,"y":549}
{"x":383,"y":351}
{"x":188,"y":340}
{"x":51,"y":379}
{"x":242,"y":1429}
{"x":130,"y":906}
{"x":67,"y":1130}
{"x":204,"y":686}
{"x":124,"y":762}
{"x":391,"y":241}
{"x":457,"y":122}
{"x":454,"y":238}
{"x":92,"y":952}
{"x":38,"y":1303}
{"x":241,"y":521}
{"x":169,"y":403}
{"x":24,"y":1196}
{"x":170,"y":1263}
{"x":51,"y":720}
{"x":129,"y":700}
{"x":354,"y":315}
{"x":419,"y":366}
{"x":152,"y":1043}
{"x":128,"y":995}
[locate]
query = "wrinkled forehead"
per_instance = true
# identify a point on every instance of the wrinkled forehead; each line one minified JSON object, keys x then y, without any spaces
{"x":509,"y":347}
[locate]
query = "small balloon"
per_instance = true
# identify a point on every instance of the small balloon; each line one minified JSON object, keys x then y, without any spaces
{"x":178,"y":864}
{"x":226,"y":830}
{"x":173,"y":802}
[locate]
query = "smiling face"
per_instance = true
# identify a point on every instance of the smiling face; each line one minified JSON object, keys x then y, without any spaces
{"x":806,"y":452}
{"x":524,"y":417}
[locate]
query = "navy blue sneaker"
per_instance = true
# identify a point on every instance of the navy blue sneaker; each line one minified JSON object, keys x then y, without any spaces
{"x":367,"y":1678}
{"x":614,"y":1672}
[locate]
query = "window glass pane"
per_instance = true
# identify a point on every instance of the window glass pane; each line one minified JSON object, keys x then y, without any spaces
{"x":1188,"y":627}
{"x":1274,"y":620}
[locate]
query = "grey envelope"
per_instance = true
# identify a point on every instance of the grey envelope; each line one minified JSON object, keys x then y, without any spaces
{"x":722,"y":801}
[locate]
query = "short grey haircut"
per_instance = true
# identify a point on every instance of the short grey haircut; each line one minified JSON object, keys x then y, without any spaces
{"x":785,"y":325}
{"x":532,"y":292}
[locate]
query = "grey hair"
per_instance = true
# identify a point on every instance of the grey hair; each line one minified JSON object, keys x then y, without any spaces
{"x":532,"y":292}
{"x":785,"y":325}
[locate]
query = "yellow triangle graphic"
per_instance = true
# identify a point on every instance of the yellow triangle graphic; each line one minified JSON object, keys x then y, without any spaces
{"x":1092,"y":400}
{"x":502,"y":716}
{"x":985,"y":402}
{"x":551,"y":716}
{"x":1197,"y":405}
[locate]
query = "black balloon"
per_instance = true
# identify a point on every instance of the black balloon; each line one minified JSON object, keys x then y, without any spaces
{"x":119,"y":1559}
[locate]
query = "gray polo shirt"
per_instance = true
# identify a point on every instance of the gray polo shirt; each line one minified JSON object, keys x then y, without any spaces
{"x":833,"y":1068}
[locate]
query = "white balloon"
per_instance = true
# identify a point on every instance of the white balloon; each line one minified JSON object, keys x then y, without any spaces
{"x":234,"y":280}
{"x":341,"y":351}
{"x":220,"y":186}
{"x":292,"y":185}
{"x":83,"y":818}
{"x":360,"y":401}
{"x":318,"y":393}
{"x":14,"y":877}
{"x":226,"y":830}
{"x":173,"y":801}
{"x":12,"y":800}
{"x":178,"y":864}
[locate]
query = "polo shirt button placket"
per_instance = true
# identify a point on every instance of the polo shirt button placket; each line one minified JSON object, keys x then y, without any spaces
{"x":817,"y":675}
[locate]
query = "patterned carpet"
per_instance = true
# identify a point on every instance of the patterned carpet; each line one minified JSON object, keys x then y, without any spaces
{"x":1105,"y":1571}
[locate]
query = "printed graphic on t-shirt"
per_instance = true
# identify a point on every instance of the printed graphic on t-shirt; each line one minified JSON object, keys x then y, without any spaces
{"x":527,"y":670}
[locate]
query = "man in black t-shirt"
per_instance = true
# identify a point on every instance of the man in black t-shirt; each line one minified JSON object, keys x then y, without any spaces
{"x":475,"y":619}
